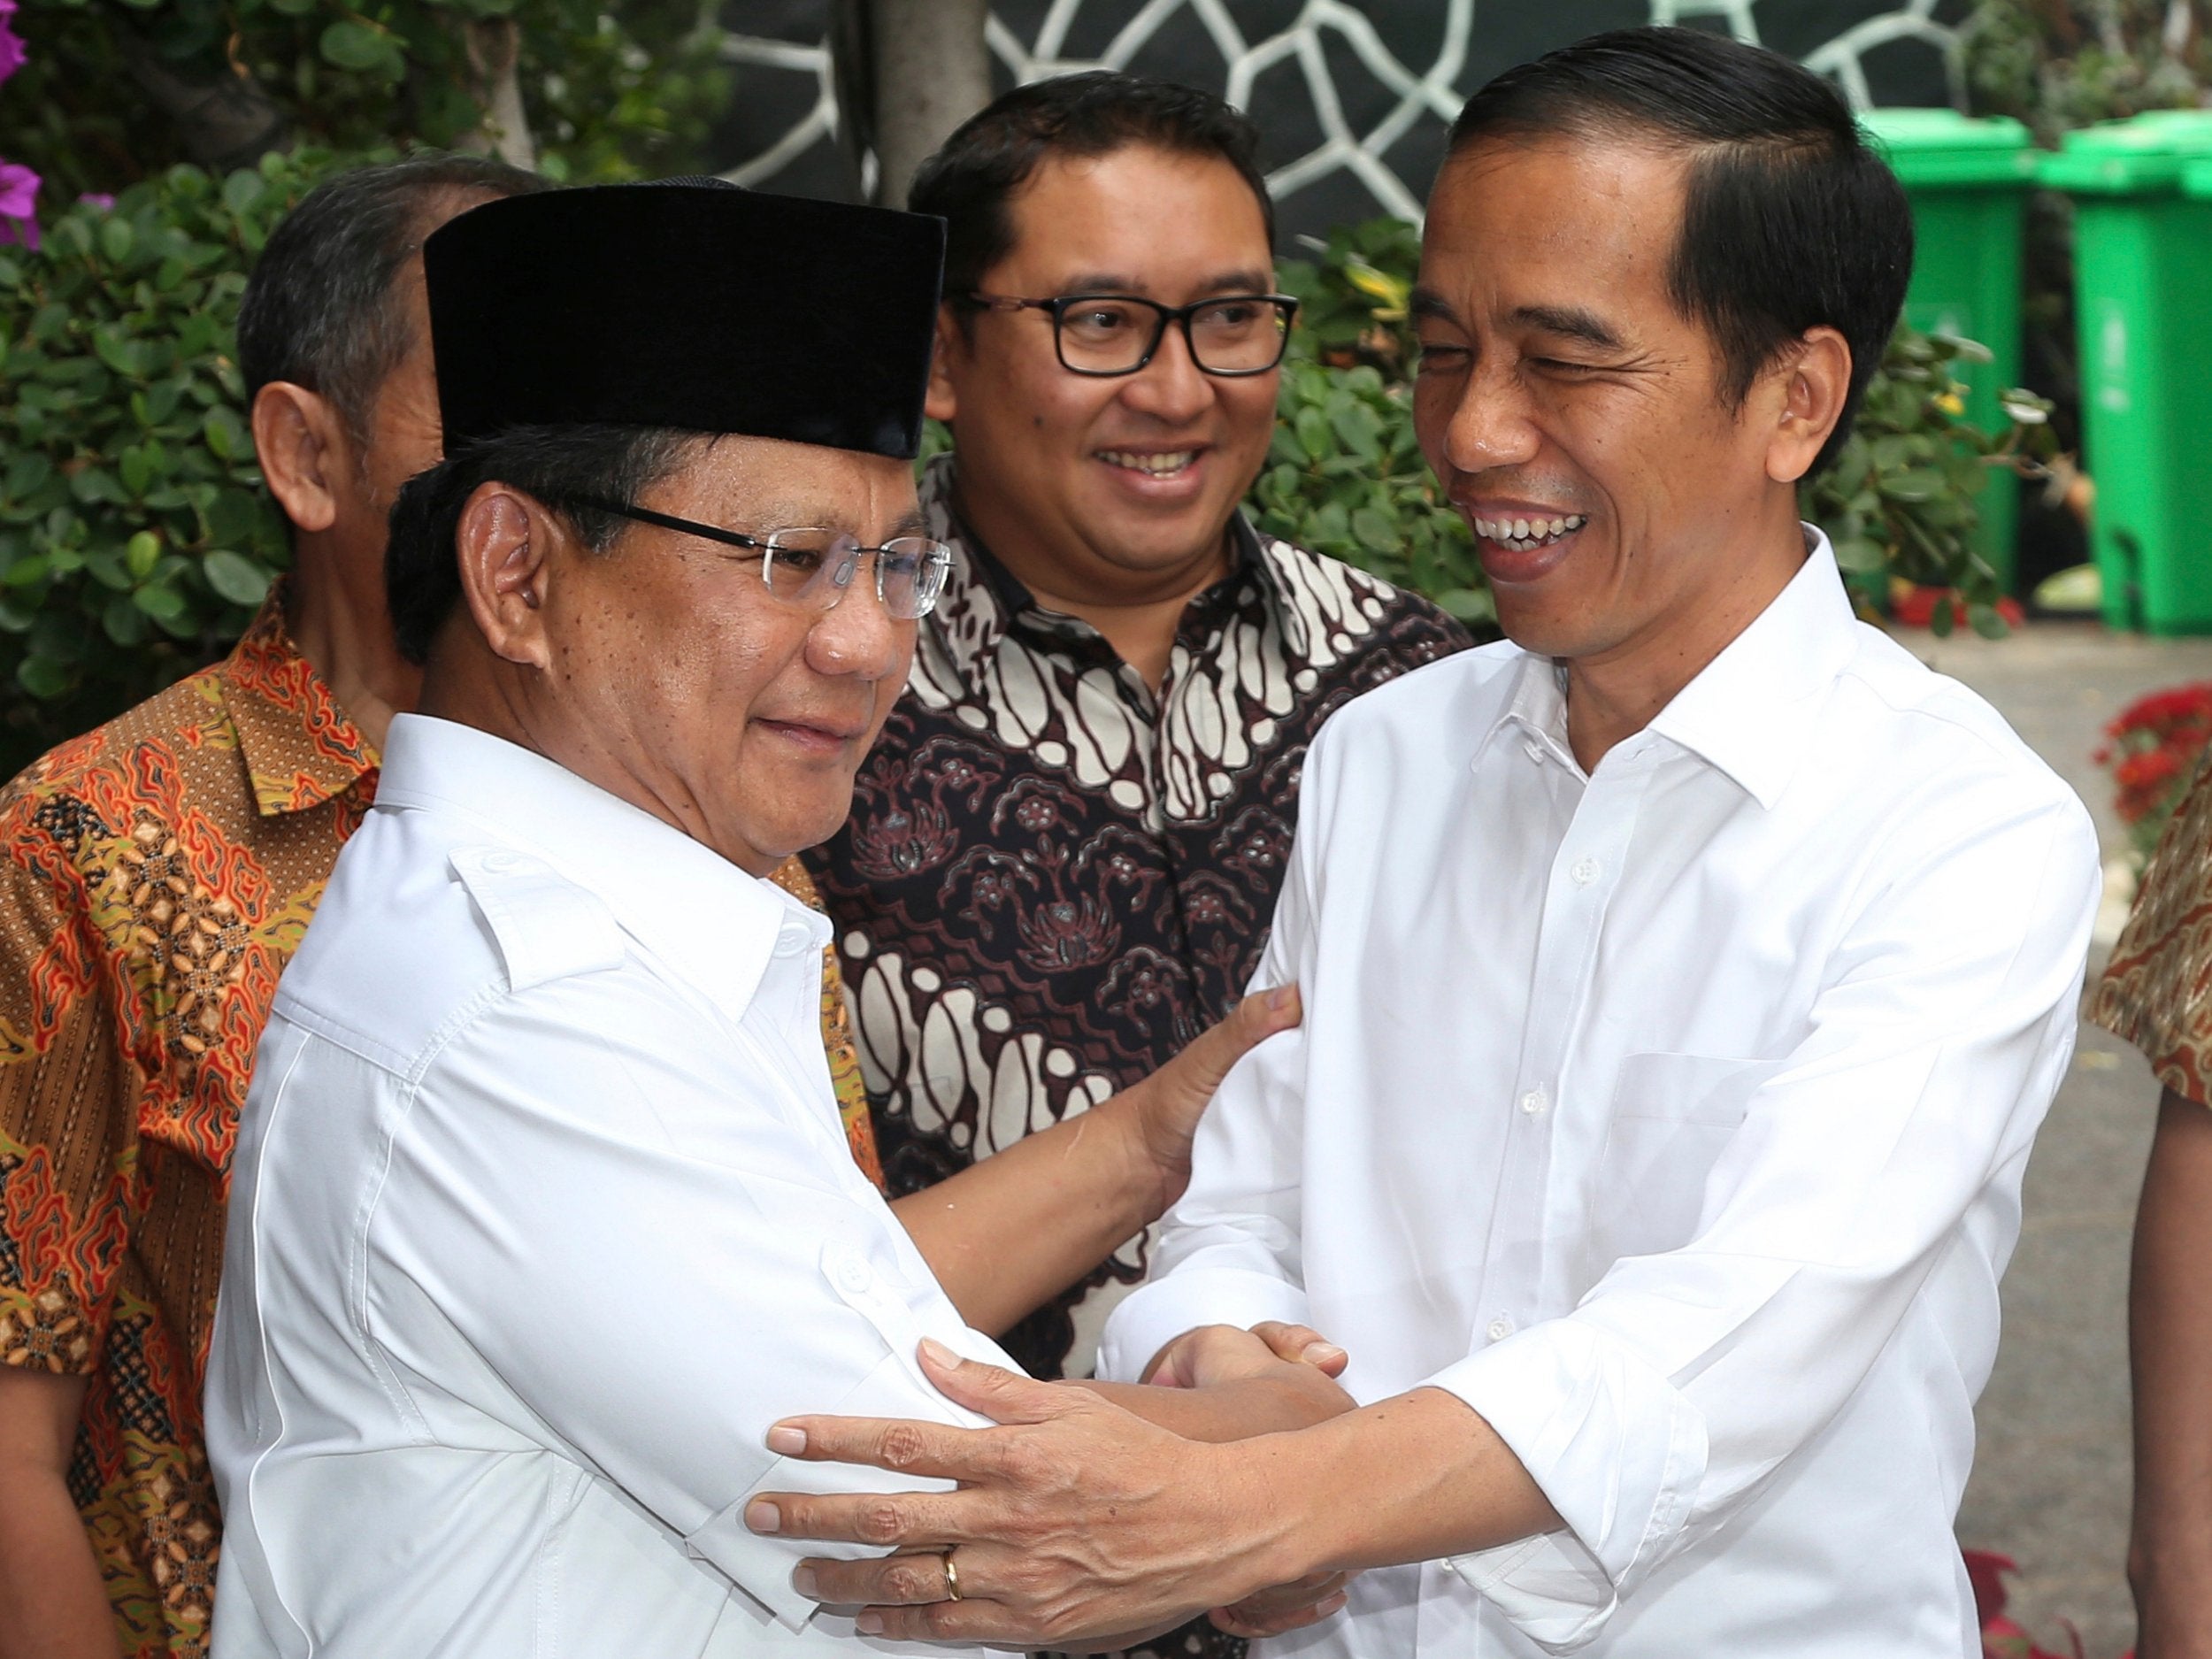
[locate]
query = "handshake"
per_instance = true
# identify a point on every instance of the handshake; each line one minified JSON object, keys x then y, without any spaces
{"x":1019,"y":1552}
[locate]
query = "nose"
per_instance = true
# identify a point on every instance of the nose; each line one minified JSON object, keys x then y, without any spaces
{"x":1171,"y":388}
{"x":858,"y":636}
{"x":1492,"y":425}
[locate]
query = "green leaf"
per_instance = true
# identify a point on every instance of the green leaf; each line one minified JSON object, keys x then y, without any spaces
{"x":235,"y":577}
{"x":140,"y":553}
{"x":1359,"y":427}
{"x":352,"y":45}
{"x":1860,"y":556}
{"x":225,"y":433}
{"x":43,"y":677}
{"x":1984,"y":621}
{"x":1913,"y":485}
{"x":124,"y":622}
{"x":115,"y":236}
{"x":1313,"y":432}
{"x":163,"y":605}
{"x":242,"y":191}
{"x":1372,"y":529}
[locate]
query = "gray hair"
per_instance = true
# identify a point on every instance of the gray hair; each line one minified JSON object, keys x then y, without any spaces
{"x":319,"y":310}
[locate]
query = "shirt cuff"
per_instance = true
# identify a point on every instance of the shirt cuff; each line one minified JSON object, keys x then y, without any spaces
{"x":1616,"y":1447}
{"x":1154,"y":1314}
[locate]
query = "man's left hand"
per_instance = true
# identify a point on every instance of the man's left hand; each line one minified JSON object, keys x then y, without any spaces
{"x":1074,"y":1518}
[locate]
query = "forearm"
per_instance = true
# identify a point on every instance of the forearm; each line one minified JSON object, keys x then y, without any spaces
{"x":1415,"y":1477}
{"x":2169,"y":1555}
{"x":1229,"y":1411}
{"x":52,"y":1604}
{"x":1007,"y":1235}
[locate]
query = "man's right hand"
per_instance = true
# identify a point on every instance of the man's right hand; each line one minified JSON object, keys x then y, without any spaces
{"x":52,"y":1603}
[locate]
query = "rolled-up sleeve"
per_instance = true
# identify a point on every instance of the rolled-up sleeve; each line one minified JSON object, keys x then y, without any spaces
{"x":1684,"y":1379}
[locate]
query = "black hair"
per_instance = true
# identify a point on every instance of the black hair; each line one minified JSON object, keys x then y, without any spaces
{"x":319,"y":310}
{"x":553,"y":465}
{"x":1790,"y":220}
{"x":989,"y":156}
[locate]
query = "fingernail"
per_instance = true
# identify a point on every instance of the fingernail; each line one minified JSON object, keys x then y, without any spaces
{"x":937,"y":1354}
{"x":762,"y":1517}
{"x":786,"y":1441}
{"x":1320,"y":1353}
{"x":869,"y":1624}
{"x":1280,"y":998}
{"x":802,"y":1581}
{"x":1335,"y":1603}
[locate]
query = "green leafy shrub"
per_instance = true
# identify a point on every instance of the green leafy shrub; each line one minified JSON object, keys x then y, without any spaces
{"x":120,"y":90}
{"x":1898,"y":503}
{"x":1344,"y":475}
{"x":136,"y":538}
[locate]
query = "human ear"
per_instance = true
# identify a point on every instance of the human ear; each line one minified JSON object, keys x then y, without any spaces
{"x":1816,"y":378}
{"x":937,"y":405}
{"x":304,"y":450}
{"x":503,"y":545}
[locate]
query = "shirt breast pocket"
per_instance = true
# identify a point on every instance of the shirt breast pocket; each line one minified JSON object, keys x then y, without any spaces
{"x":1672,"y":1115}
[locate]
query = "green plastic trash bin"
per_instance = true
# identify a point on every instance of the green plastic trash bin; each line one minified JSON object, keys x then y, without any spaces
{"x":1968,"y":182}
{"x":2143,"y":300}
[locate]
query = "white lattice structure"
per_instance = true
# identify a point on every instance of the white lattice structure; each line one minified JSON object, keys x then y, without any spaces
{"x":1431,"y":90}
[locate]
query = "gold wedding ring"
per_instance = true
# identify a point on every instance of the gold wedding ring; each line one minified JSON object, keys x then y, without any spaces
{"x":952,"y":1578}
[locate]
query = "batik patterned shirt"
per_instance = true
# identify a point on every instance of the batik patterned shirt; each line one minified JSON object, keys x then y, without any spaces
{"x":157,"y":875}
{"x":2157,"y":991}
{"x":1054,"y":876}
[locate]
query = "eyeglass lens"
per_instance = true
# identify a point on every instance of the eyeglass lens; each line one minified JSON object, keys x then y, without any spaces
{"x":1229,"y":336}
{"x":814,"y":567}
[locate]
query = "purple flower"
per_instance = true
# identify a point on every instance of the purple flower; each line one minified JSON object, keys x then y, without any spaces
{"x":19,"y":205}
{"x":12,"y":49}
{"x":100,"y":199}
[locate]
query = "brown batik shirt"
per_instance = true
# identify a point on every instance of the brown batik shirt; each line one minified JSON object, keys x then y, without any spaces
{"x":1054,"y":877}
{"x":157,"y":875}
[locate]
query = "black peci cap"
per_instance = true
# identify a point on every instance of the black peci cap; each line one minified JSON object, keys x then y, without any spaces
{"x":693,"y":304}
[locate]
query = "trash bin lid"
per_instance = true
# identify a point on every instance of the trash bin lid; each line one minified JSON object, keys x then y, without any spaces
{"x":2196,"y":179}
{"x":2144,"y":155}
{"x":1941,"y":148}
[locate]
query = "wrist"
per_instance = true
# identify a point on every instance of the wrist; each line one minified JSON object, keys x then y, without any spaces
{"x":1151,"y":1178}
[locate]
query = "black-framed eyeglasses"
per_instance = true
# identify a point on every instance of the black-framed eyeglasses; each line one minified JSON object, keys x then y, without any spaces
{"x":810,"y":568}
{"x":1117,"y":334}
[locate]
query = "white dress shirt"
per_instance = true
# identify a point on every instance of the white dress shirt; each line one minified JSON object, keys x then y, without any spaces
{"x":541,"y":1215}
{"x":1672,"y":1117}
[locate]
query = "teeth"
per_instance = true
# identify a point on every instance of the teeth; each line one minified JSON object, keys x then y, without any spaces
{"x":1156,"y":465}
{"x":1523,"y":534}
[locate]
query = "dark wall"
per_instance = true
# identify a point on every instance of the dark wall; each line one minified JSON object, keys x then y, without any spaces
{"x":772,"y":100}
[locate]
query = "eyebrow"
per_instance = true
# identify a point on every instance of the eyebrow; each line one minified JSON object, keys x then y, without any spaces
{"x":913,"y":523}
{"x":1570,"y":322}
{"x":1429,"y":302}
{"x":1249,"y":282}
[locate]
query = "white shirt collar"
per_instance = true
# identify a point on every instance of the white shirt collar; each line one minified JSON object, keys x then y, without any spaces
{"x":1745,"y":712}
{"x":1742,"y":712}
{"x":706,"y":919}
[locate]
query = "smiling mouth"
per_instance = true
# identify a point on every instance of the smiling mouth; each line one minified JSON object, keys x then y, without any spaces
{"x":1525,"y":535}
{"x":1151,"y":462}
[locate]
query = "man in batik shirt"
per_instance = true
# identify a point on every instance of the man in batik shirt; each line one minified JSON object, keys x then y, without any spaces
{"x":2155,"y":994}
{"x":158,"y":874}
{"x":1066,"y":845}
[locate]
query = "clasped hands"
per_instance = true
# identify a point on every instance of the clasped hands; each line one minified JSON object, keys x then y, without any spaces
{"x":1094,"y":1515}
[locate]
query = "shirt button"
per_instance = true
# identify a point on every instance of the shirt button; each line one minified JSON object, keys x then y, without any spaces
{"x":1535,"y":751}
{"x":1585,"y":872}
{"x":853,"y":1274}
{"x":1500,"y":1328}
{"x":1536,"y":1101}
{"x":500,"y":863}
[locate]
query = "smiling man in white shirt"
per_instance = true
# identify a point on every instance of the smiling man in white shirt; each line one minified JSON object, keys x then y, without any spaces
{"x":542,"y":1211}
{"x":1686,"y":978}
